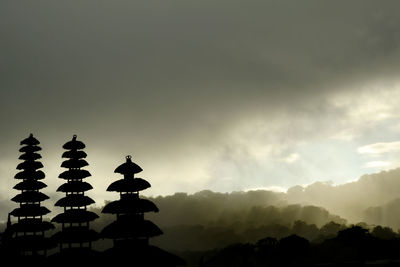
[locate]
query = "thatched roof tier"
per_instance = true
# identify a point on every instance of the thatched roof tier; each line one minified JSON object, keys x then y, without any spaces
{"x":74,"y":154}
{"x":32,"y":242}
{"x":31,"y":225}
{"x":30,"y":210}
{"x":74,"y":186}
{"x":30,"y":141}
{"x":129,"y":185}
{"x":30,"y":185}
{"x":30,"y":149}
{"x":130,"y":206}
{"x":30,"y":156}
{"x":128,"y":168}
{"x":74,"y":174}
{"x":29,"y":165}
{"x":141,"y":255}
{"x":131,"y":229}
{"x":31,"y":175}
{"x":74,"y":163}
{"x":77,"y":256}
{"x":74,"y":144}
{"x":76,"y":234}
{"x":30,"y":196}
{"x":75,"y":216}
{"x":74,"y":200}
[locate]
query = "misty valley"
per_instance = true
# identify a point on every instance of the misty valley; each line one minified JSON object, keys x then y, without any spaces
{"x":354,"y":224}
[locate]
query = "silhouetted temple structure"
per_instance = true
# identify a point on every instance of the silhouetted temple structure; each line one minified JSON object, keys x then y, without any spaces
{"x":75,"y":234}
{"x":27,"y":235}
{"x":131,"y":231}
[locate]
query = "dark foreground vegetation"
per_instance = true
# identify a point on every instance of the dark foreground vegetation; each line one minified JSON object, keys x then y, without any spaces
{"x":354,"y":246}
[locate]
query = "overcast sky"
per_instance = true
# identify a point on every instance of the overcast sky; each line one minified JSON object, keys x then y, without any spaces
{"x":222,"y":95}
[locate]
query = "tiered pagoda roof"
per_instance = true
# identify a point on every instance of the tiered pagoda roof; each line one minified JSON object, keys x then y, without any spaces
{"x":130,"y":208}
{"x":131,"y":231}
{"x":28,"y":232}
{"x":75,"y":218}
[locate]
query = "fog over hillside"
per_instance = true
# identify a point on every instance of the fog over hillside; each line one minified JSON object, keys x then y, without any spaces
{"x":371,"y":199}
{"x":351,"y":200}
{"x":207,"y":219}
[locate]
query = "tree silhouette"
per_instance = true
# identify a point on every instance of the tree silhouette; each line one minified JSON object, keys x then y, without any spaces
{"x":384,"y":233}
{"x":130,"y":231}
{"x":28,"y":233}
{"x":75,"y":234}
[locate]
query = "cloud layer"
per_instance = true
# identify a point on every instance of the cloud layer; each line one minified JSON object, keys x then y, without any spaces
{"x":202,"y":94}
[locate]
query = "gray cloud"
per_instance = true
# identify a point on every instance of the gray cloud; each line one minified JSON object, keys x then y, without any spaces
{"x":178,"y":84}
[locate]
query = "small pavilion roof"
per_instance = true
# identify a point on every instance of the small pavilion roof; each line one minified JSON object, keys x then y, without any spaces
{"x":30,"y":185}
{"x":74,"y":186}
{"x":32,"y":225}
{"x":31,"y":175}
{"x":74,"y":144}
{"x":30,"y":156}
{"x":74,"y":154}
{"x":76,"y":234}
{"x":128,"y":167}
{"x":30,"y":210}
{"x":30,"y":149}
{"x":74,"y":163}
{"x":74,"y":174}
{"x":129,"y":185}
{"x":33,"y":242}
{"x":30,"y":196}
{"x":75,"y":216}
{"x":30,"y":141}
{"x":74,"y":200}
{"x":131,"y":229}
{"x":130,"y":206}
{"x":29,"y":165}
{"x":143,"y":255}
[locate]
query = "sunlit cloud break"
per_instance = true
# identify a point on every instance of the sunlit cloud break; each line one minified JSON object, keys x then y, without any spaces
{"x":380,"y":148}
{"x":278,"y":189}
{"x":291,"y":158}
{"x":376,"y":164}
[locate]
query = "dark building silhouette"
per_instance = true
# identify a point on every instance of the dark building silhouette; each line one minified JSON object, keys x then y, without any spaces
{"x":27,"y":236}
{"x":75,"y":234}
{"x":130,"y":231}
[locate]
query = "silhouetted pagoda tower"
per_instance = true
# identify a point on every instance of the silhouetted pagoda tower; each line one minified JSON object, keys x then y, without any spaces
{"x":75,"y":233}
{"x":28,"y":233}
{"x":130,"y":231}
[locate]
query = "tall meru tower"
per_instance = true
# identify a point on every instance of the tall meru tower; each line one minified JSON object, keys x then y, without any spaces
{"x":130,"y":231}
{"x":27,"y":235}
{"x":75,"y":234}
